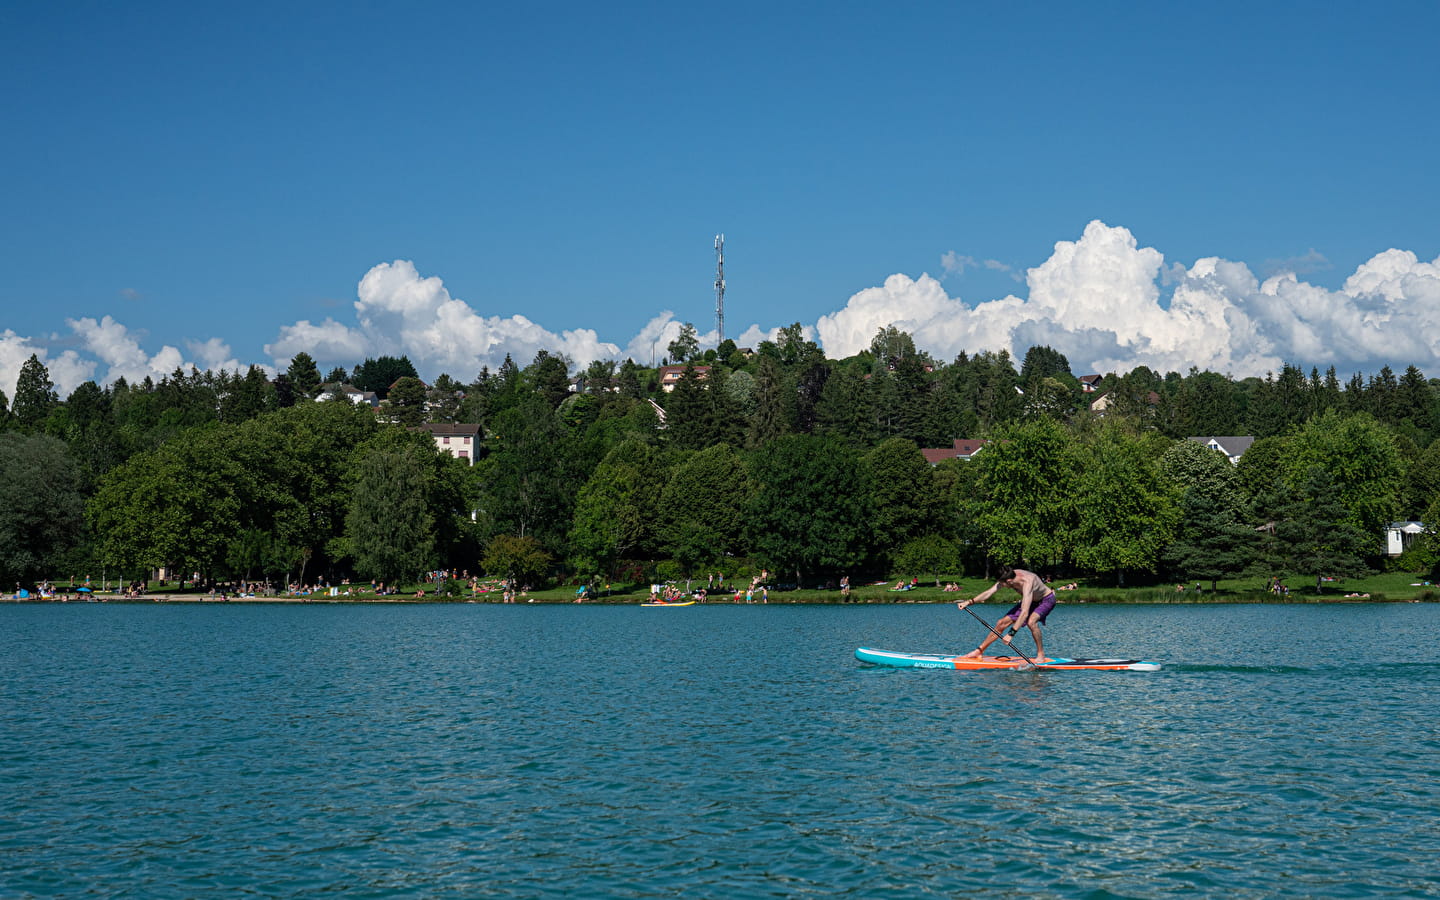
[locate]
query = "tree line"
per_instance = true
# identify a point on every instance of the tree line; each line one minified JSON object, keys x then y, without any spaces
{"x":777,"y":458}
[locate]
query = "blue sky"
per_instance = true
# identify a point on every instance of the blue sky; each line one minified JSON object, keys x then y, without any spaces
{"x":1219,"y":185}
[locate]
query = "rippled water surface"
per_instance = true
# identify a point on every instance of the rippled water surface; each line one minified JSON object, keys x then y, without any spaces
{"x":713,"y":751}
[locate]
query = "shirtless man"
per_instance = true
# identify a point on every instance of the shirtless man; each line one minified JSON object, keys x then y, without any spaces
{"x":1036,"y":601}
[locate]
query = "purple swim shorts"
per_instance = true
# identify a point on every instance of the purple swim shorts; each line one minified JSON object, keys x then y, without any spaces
{"x":1041,"y":609}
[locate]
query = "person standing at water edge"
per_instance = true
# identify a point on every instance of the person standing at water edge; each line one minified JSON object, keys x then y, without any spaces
{"x":1036,"y":601}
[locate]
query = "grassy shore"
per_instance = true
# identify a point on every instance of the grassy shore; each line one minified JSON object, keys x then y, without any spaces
{"x":1384,"y":587}
{"x":1389,"y":586}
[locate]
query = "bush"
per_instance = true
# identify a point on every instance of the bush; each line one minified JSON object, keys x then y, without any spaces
{"x":931,"y":554}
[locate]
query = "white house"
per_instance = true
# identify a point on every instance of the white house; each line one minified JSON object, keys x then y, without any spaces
{"x":348,"y":392}
{"x":1400,"y":535}
{"x":1232,"y":447}
{"x":457,"y":439}
{"x":671,"y":375}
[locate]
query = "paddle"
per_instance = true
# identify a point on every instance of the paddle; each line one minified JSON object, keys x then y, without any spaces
{"x":1001,"y":637}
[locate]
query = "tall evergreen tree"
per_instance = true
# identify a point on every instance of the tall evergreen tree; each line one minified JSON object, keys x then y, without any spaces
{"x":997,"y":401}
{"x":1215,"y":537}
{"x":843,"y":411}
{"x":628,"y":380}
{"x":1205,"y":405}
{"x":304,"y":375}
{"x":1314,"y":533}
{"x":378,"y":374}
{"x":35,"y":394}
{"x":769,"y":420}
{"x":407,"y":401}
{"x":1043,"y":362}
{"x":1415,"y":404}
{"x":687,"y":412}
{"x":1382,"y":395}
{"x":550,"y":376}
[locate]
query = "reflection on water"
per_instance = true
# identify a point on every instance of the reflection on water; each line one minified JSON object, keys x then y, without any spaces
{"x":711,"y":751}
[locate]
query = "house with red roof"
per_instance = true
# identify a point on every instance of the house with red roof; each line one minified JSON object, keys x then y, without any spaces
{"x":965,"y":448}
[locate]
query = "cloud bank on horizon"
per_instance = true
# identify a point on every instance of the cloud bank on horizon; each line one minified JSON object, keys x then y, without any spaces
{"x":1105,"y":302}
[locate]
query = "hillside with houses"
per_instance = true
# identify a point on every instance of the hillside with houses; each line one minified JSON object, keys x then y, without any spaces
{"x":722,"y":460}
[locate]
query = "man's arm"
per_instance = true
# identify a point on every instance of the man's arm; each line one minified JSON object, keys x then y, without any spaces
{"x":980,"y":597}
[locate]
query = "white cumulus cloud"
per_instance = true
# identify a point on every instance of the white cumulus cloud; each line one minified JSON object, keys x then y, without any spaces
{"x":1099,"y":300}
{"x":67,"y":370}
{"x":1104,"y":300}
{"x":399,"y":312}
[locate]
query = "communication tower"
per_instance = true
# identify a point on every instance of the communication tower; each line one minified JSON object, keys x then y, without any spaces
{"x":720,"y":289}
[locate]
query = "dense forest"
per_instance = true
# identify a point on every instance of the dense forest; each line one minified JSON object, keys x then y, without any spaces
{"x":776,"y":458}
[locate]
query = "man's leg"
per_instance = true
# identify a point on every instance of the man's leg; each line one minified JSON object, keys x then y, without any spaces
{"x":1039,"y":644}
{"x":989,"y":638}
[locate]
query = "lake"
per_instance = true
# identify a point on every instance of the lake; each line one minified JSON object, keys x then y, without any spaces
{"x":169,"y":751}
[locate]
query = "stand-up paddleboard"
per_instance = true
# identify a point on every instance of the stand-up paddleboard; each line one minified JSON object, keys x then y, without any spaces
{"x":678,"y":603}
{"x":939,"y":661}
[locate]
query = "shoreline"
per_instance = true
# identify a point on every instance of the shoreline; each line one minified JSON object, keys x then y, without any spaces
{"x":205,"y":599}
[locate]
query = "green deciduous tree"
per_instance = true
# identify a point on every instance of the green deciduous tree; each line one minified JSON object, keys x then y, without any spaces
{"x":615,"y":510}
{"x":806,"y":514}
{"x":902,"y":502}
{"x":530,"y":475}
{"x":41,"y":508}
{"x":931,"y":554}
{"x":389,"y":527}
{"x":521,"y":559}
{"x":702,"y":508}
{"x":1361,"y":459}
{"x":1126,"y":511}
{"x":685,"y":346}
{"x":179,"y":505}
{"x":1028,"y":481}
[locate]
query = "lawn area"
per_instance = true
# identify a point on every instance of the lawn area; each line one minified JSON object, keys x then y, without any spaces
{"x":1385,"y":586}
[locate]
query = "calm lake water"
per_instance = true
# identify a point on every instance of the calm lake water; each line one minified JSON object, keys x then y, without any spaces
{"x":163,"y":751}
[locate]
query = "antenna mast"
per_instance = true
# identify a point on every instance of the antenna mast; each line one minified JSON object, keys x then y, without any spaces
{"x":720,"y":288}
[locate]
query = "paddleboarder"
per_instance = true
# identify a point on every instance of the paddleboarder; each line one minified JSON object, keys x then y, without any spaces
{"x":1036,"y":601}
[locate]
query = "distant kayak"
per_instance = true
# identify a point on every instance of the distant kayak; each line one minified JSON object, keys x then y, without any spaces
{"x":939,"y":661}
{"x":662,"y":603}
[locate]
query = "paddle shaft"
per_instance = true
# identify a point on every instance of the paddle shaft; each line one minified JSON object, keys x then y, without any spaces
{"x":1000,"y":636}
